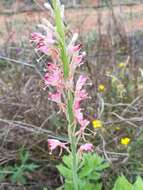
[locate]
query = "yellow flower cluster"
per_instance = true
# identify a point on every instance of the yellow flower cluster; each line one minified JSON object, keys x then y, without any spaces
{"x":125,"y":141}
{"x":121,"y":65}
{"x":101,"y":88}
{"x":97,"y":123}
{"x":117,"y":128}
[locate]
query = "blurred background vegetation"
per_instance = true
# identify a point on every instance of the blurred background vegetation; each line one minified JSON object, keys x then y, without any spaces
{"x":111,"y":34}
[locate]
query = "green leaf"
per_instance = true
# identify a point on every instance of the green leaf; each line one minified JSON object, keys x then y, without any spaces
{"x":98,"y":186}
{"x":4,"y":172}
{"x":24,"y":156}
{"x":92,"y":166}
{"x":67,"y":161}
{"x":68,"y":185}
{"x":64,"y":171}
{"x":95,"y":176}
{"x":85,"y":171}
{"x":122,"y":184}
{"x":60,"y":188}
{"x":88,"y":165}
{"x":138,"y":185}
{"x":102,"y":166}
{"x":18,"y":177}
{"x":30,"y":167}
{"x":85,"y":185}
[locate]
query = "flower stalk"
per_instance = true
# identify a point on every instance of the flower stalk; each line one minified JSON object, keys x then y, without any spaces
{"x":65,"y":60}
{"x":72,"y":138}
{"x":59,"y":77}
{"x":61,"y":32}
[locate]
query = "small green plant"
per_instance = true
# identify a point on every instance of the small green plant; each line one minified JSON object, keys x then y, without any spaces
{"x":123,"y":184}
{"x":89,"y":171}
{"x":17,"y":172}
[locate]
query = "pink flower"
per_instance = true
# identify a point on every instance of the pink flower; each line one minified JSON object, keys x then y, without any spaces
{"x":72,"y":44}
{"x":36,"y":37}
{"x":80,"y":82}
{"x":79,"y":116}
{"x":55,"y":97}
{"x":74,"y":49}
{"x":76,"y":59}
{"x":88,"y":147}
{"x":84,"y":123}
{"x":54,"y":54}
{"x":80,"y":94}
{"x":42,"y":42}
{"x":75,"y":56}
{"x":53,"y":76}
{"x":53,"y":144}
{"x":42,"y":47}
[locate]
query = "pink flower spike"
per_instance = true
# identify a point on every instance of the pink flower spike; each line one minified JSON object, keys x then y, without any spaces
{"x":88,"y":147}
{"x":56,"y":97}
{"x":84,"y":123}
{"x":80,"y":82}
{"x":78,"y":60}
{"x":41,"y":47}
{"x":42,"y":42}
{"x":79,"y":116}
{"x":74,"y":48}
{"x":80,"y":94}
{"x":48,"y":38}
{"x":53,"y":144}
{"x":53,"y":76}
{"x":77,"y":47}
{"x":72,"y":43}
{"x":36,"y":37}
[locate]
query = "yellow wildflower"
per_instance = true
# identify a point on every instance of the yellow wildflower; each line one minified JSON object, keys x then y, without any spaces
{"x":97,"y":123}
{"x":101,"y":88}
{"x":121,"y":65}
{"x":125,"y":141}
{"x":117,"y":128}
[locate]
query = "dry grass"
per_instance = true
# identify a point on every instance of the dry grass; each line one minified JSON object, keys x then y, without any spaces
{"x":27,"y":118}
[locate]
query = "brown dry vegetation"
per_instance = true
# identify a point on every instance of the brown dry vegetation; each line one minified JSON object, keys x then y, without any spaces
{"x":78,"y":20}
{"x":27,"y":118}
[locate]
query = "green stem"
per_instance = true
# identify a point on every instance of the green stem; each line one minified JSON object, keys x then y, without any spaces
{"x":62,"y":44}
{"x":72,"y":138}
{"x":70,"y":117}
{"x":74,"y":163}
